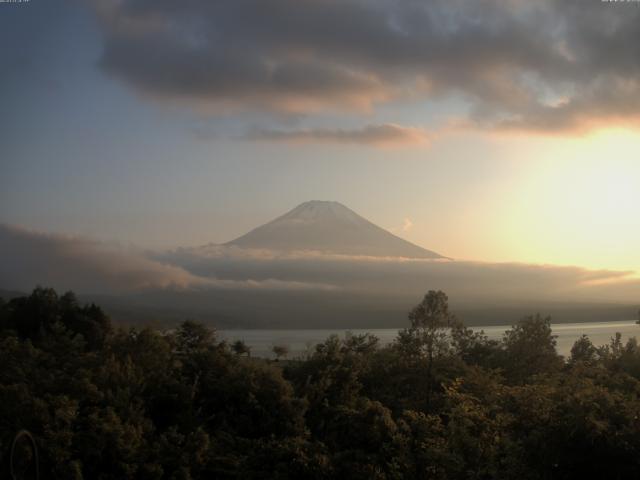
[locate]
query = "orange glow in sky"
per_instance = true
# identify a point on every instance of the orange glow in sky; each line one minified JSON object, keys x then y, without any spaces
{"x":571,"y":201}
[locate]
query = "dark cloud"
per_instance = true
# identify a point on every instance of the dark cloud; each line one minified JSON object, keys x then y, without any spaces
{"x":87,"y":266}
{"x":544,"y":65}
{"x":77,"y":263}
{"x":28,"y":258}
{"x":388,"y":134}
{"x":402,"y":277}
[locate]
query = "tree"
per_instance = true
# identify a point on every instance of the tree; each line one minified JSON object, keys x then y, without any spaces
{"x":280,"y":351}
{"x":240,"y":348}
{"x":430,"y":330}
{"x":4,"y":314}
{"x":430,"y":323}
{"x":584,"y":351}
{"x":530,"y":348}
{"x":89,"y":321}
{"x":193,"y":336}
{"x":150,"y":405}
{"x":33,"y":316}
{"x":474,"y":348}
{"x":364,"y":343}
{"x":44,"y":313}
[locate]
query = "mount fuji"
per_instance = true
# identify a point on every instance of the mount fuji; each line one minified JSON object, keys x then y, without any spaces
{"x":329,"y":227}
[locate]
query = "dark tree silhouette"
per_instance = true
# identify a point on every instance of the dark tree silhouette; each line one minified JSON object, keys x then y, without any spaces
{"x":441,"y":402}
{"x":280,"y":351}
{"x":241,"y":348}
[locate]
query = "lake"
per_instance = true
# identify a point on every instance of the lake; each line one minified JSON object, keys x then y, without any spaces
{"x":302,"y":341}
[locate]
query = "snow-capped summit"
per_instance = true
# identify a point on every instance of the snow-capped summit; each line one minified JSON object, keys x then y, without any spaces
{"x":329,"y":227}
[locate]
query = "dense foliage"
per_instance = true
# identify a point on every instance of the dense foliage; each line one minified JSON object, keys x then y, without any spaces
{"x":441,"y":402}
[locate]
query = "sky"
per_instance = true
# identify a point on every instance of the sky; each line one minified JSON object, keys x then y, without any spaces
{"x":486,"y":130}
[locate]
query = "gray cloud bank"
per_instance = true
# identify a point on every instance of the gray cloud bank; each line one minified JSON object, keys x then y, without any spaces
{"x":548,"y":65}
{"x":471,"y":281}
{"x":235,"y":287}
{"x":30,"y":258}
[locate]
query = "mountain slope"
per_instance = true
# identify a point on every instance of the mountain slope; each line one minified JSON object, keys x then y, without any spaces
{"x":329,"y":227}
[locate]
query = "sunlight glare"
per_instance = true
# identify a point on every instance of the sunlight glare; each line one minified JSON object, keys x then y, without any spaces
{"x":580,"y":204}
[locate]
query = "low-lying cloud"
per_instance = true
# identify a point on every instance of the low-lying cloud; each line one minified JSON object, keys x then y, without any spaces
{"x":30,"y":258}
{"x":549,"y":65}
{"x":87,"y":266}
{"x":407,"y":277}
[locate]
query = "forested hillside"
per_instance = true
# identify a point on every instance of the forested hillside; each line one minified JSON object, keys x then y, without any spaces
{"x":441,"y":402}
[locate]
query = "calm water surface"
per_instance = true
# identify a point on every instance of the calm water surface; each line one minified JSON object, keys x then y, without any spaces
{"x":302,"y":341}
